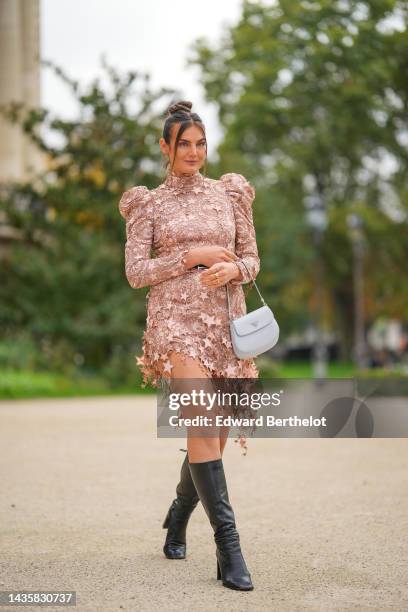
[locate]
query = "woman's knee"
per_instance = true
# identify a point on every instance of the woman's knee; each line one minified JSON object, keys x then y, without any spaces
{"x":186,"y":367}
{"x":203,"y":449}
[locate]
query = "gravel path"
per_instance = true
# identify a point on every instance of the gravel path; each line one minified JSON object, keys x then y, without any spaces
{"x":86,"y":485}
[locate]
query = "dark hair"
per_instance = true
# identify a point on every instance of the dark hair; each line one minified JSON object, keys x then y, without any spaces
{"x":180,"y":112}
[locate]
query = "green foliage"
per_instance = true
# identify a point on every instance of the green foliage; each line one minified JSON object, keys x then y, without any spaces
{"x":64,"y":282}
{"x":312,"y":98}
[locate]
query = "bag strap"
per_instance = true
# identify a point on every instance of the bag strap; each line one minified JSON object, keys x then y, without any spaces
{"x":256,"y":287}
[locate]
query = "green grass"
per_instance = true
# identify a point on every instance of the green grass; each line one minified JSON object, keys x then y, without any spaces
{"x":26,"y":384}
{"x":16,"y":384}
{"x":305,"y":370}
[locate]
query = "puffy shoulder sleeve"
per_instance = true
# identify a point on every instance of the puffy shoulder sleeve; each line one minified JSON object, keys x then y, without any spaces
{"x":137,"y":207}
{"x":134,"y":197}
{"x":238,"y":188}
{"x":242,"y":195}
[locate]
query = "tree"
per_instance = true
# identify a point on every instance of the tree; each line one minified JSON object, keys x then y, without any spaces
{"x":64,"y":278}
{"x":312,"y":97}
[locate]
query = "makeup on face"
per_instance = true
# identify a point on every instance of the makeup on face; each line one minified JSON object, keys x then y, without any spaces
{"x":191,"y":150}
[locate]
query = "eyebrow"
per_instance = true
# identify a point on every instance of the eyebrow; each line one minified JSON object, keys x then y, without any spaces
{"x":185,"y":140}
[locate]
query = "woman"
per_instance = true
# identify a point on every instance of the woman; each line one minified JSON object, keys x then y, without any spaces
{"x":203,"y":237}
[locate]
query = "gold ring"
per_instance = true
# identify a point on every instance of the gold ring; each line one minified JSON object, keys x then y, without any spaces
{"x":216,"y":275}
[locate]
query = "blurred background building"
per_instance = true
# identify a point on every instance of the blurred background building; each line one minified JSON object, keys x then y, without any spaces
{"x":20,"y":82}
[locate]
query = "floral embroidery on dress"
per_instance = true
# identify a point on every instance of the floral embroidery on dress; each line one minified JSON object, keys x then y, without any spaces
{"x":183,"y":315}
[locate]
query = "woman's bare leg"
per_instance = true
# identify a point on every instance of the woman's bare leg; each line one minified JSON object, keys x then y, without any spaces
{"x":223,"y":437}
{"x":200,"y":448}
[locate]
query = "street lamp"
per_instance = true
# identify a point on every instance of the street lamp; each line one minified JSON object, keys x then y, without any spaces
{"x":357,"y":240}
{"x":317,"y":220}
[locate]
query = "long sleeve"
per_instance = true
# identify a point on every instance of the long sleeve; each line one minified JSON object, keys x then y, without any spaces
{"x":136,"y":207}
{"x":242,"y":195}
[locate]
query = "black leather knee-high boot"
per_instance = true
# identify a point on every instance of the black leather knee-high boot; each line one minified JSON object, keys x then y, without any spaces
{"x":179,"y":514}
{"x":209,"y":481}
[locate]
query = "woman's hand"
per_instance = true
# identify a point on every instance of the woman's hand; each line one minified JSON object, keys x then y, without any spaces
{"x":209,"y":255}
{"x":219,"y":274}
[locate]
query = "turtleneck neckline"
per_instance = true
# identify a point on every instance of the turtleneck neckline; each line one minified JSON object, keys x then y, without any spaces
{"x":184,"y":180}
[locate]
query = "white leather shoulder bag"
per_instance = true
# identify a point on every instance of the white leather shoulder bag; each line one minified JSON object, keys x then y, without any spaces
{"x":255,"y":332}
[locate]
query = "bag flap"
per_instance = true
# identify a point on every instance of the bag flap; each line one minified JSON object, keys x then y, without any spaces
{"x":253,"y":321}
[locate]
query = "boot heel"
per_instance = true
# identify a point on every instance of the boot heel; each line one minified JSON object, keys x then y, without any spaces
{"x":166,"y":520}
{"x":218,"y":571}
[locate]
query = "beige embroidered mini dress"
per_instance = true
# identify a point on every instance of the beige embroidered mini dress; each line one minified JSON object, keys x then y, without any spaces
{"x":183,"y":315}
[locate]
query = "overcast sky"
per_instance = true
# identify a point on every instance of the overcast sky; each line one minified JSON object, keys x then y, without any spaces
{"x":147,"y":35}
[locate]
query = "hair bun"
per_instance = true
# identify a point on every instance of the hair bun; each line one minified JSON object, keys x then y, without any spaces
{"x":183,"y":105}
